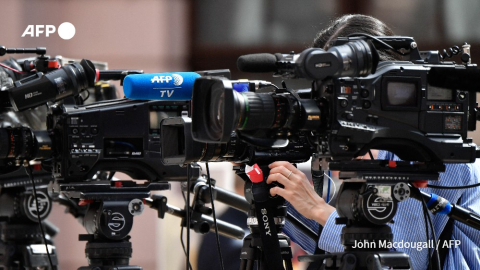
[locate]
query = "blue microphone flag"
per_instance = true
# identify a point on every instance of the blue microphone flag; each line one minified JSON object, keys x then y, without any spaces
{"x":160,"y":86}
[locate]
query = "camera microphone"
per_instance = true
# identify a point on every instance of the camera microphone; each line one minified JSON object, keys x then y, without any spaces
{"x":160,"y":86}
{"x":356,"y":58}
{"x":258,"y":62}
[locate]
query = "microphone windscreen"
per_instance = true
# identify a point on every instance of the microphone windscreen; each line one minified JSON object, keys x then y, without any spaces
{"x":259,"y":62}
{"x":160,"y":86}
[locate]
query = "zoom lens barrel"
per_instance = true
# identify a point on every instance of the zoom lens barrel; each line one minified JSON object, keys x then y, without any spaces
{"x":40,"y":88}
{"x":218,"y":109}
{"x":22,"y":143}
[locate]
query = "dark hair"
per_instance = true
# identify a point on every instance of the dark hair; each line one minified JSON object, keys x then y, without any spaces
{"x":350,"y":24}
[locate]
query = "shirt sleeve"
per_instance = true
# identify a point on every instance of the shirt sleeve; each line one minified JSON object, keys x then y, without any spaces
{"x":330,"y":238}
{"x":296,"y":235}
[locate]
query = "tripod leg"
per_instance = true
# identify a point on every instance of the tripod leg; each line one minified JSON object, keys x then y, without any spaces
{"x":286,"y":251}
{"x":288,"y":264}
{"x":250,"y":264}
{"x":246,"y":264}
{"x":243,"y":264}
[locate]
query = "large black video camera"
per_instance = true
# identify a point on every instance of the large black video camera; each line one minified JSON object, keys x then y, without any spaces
{"x":120,"y":135}
{"x":420,"y":109}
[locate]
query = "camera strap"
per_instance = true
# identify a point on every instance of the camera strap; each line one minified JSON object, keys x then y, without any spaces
{"x":265,"y":211}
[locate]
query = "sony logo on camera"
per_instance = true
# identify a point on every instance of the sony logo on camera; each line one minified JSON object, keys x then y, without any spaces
{"x":265,"y":222}
{"x":66,"y":30}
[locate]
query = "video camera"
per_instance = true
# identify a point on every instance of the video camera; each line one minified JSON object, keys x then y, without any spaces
{"x":420,"y":109}
{"x":31,"y":82}
{"x":81,"y":148}
{"x":119,"y":135}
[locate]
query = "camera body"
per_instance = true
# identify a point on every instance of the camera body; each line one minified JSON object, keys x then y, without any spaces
{"x":398,"y":109}
{"x":120,"y":135}
{"x":420,"y":108}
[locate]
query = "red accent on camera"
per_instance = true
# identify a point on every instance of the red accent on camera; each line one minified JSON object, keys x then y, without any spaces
{"x":255,"y":175}
{"x":84,"y":202}
{"x":53,"y":64}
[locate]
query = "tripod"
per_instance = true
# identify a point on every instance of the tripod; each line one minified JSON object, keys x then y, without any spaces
{"x":367,"y":201}
{"x":21,"y":242}
{"x":252,"y":251}
{"x":264,"y":246}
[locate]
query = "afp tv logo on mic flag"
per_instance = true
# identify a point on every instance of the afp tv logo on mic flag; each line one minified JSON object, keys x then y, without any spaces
{"x":65,"y":30}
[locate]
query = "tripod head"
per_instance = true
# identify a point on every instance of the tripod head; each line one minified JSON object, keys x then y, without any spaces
{"x":108,"y":219}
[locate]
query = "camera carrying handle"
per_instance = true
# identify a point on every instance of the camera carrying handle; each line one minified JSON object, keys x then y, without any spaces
{"x":38,"y":50}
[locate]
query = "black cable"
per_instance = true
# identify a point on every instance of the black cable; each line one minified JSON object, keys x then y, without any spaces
{"x":88,"y":95}
{"x":181,"y":240}
{"x":425,"y":214}
{"x":459,"y":187}
{"x":454,"y":50}
{"x":214,"y":217}
{"x":29,"y":172}
{"x":183,"y":245}
{"x":370,"y":154}
{"x":181,"y":227}
{"x":433,"y":232}
{"x":187,"y":213}
{"x":110,"y":175}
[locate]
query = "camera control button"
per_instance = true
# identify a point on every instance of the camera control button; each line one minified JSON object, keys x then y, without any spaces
{"x":367,"y":104}
{"x":349,"y":116}
{"x":364,"y":93}
{"x":94,"y":130}
{"x":343,"y":103}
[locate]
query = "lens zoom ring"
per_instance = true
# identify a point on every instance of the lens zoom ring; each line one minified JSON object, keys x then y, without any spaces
{"x":261,"y":111}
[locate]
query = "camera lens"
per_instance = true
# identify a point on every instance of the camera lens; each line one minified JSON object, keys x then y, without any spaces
{"x":254,"y":111}
{"x":359,"y":58}
{"x":216,"y":109}
{"x":22,"y":143}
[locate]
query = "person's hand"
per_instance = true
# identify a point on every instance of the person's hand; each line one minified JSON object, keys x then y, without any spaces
{"x":298,"y":191}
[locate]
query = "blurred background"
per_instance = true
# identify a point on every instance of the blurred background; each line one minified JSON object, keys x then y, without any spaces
{"x":189,"y":35}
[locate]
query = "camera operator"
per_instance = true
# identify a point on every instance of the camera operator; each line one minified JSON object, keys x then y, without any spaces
{"x":409,"y":225}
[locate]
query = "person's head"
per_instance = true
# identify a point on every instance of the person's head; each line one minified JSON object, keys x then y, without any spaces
{"x":350,"y":24}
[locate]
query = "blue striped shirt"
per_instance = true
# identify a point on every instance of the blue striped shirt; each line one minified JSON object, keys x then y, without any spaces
{"x":409,"y":222}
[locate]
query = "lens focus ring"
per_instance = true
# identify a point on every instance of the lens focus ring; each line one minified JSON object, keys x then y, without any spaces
{"x":260,"y":111}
